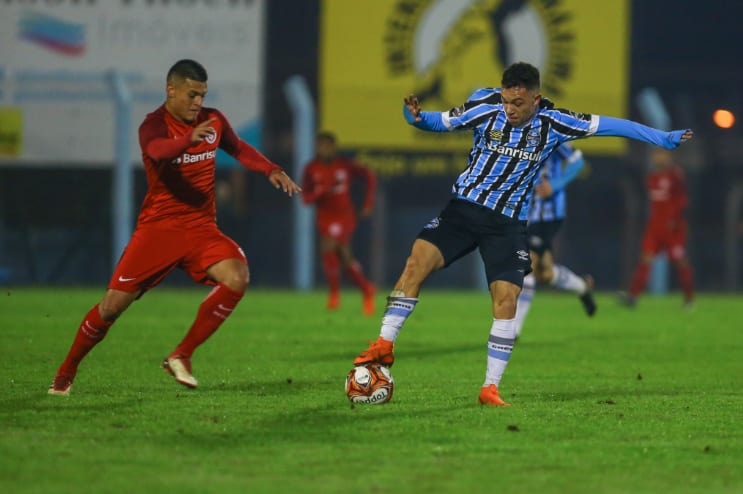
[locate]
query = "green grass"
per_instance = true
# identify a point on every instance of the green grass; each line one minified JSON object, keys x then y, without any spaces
{"x":639,"y":401}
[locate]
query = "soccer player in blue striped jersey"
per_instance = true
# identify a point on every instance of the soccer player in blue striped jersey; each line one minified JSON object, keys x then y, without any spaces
{"x":547,"y":213}
{"x":515,"y":131}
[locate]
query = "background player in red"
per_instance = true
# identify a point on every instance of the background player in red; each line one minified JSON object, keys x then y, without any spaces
{"x":327,"y":183}
{"x":666,"y":227}
{"x":176,"y":225}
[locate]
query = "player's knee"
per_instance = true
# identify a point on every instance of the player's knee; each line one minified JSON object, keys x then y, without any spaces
{"x":543,"y":275}
{"x":111,"y":308}
{"x":238,"y":279}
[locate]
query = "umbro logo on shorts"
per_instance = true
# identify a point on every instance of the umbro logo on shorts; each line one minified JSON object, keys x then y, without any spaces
{"x":432,"y":225}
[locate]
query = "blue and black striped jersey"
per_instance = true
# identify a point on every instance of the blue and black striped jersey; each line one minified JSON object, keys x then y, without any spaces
{"x":554,"y":207}
{"x":504,"y":160}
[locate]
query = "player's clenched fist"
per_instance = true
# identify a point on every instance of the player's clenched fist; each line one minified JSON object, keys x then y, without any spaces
{"x":202,"y":130}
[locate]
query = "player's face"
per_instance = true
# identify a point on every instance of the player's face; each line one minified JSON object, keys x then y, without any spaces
{"x":520,"y":104}
{"x":185,"y":99}
{"x":325,"y":149}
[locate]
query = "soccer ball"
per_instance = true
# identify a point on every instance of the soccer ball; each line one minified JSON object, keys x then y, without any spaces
{"x":369,"y":384}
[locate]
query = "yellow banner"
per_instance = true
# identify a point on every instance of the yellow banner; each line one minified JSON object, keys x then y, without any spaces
{"x":11,"y":131}
{"x":375,"y":52}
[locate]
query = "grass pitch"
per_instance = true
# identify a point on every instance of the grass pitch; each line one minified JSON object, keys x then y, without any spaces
{"x":642,"y":401}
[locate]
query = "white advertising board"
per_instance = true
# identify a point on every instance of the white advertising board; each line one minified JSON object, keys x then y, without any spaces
{"x":57,"y":56}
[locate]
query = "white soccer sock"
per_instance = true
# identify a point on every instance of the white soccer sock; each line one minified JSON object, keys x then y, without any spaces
{"x":397,"y":311}
{"x":500,"y":346}
{"x":524,"y":302}
{"x":564,"y":279}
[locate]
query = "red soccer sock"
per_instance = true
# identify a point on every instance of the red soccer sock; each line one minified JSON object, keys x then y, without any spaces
{"x":91,"y":331}
{"x":686,"y":280}
{"x":331,"y":265}
{"x":357,"y":276}
{"x":216,"y":307}
{"x":639,"y":279}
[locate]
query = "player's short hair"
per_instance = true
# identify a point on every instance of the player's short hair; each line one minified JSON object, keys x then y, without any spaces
{"x":326,"y":136}
{"x":521,"y":74}
{"x":187,"y":69}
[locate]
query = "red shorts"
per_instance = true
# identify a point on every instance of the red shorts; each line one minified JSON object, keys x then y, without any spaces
{"x":339,"y":228}
{"x":156,"y":249}
{"x":672,"y":241}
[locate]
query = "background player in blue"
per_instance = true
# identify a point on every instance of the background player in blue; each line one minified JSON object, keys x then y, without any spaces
{"x":514,"y":132}
{"x":547,"y":213}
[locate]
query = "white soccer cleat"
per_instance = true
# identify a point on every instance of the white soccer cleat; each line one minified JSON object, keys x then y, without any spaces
{"x":61,"y":385}
{"x":180,"y":368}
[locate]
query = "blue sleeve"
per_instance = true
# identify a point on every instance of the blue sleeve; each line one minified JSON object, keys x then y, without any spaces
{"x":430,"y":120}
{"x":609,"y":126}
{"x":571,"y":170}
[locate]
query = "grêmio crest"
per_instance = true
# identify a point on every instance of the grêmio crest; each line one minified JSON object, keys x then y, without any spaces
{"x":454,"y":47}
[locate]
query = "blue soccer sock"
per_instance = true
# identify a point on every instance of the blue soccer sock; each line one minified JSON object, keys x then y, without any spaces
{"x":395,"y":314}
{"x":500,"y":346}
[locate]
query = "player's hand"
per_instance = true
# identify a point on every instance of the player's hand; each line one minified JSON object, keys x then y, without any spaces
{"x":678,"y":137}
{"x":365,"y":212}
{"x":203,"y":130}
{"x":413,"y":107}
{"x":281,"y":180}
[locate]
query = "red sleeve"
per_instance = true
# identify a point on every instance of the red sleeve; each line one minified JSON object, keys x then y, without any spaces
{"x":247,"y":155}
{"x":155,"y":143}
{"x":358,"y":170}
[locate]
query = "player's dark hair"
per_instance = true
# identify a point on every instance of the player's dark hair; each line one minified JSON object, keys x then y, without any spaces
{"x":326,"y":136}
{"x":521,"y":74}
{"x":187,"y":69}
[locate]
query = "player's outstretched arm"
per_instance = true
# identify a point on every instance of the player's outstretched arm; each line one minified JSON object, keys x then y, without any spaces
{"x":281,"y":180}
{"x":619,"y":127}
{"x":575,"y":163}
{"x":424,"y":120}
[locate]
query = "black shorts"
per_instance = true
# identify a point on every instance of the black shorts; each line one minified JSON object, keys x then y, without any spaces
{"x":464,"y":226}
{"x":540,"y":235}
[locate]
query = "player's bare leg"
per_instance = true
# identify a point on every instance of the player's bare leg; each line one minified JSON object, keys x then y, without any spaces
{"x":424,"y":258}
{"x":92,"y":330}
{"x":504,"y":295}
{"x":232,"y":278}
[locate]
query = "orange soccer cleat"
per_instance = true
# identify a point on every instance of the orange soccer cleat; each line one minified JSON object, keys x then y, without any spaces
{"x":180,"y":368}
{"x":334,"y":300}
{"x":379,"y":351}
{"x":489,"y":396}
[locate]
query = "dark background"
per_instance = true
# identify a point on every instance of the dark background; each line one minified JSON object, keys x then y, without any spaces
{"x":55,"y":224}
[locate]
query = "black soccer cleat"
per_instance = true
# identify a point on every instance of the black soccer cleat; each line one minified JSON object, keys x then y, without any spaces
{"x":589,"y":304}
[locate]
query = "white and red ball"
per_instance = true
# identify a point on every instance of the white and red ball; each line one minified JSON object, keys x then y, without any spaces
{"x":369,"y":384}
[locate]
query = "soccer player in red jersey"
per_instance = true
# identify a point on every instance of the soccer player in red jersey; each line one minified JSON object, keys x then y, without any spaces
{"x":176,"y":225}
{"x":666,"y":227}
{"x":327,"y":184}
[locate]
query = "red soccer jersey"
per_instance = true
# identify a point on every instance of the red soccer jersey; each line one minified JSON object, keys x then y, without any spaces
{"x":180,"y":174}
{"x":667,"y":195}
{"x":329,"y":186}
